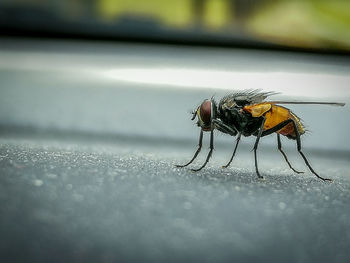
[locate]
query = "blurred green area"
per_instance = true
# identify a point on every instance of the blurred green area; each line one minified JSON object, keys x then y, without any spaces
{"x":318,"y":24}
{"x":312,"y":23}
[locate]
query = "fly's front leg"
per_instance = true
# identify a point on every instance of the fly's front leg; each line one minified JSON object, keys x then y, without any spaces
{"x":196,"y":153}
{"x":210,"y":152}
{"x":229,"y":130}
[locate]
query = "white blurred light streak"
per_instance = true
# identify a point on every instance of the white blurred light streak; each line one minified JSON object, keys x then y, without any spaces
{"x":288,"y":83}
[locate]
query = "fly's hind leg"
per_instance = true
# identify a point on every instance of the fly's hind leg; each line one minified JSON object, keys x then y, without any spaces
{"x":297,"y":135}
{"x":284,"y":155}
{"x":196,"y":153}
{"x":302,"y":154}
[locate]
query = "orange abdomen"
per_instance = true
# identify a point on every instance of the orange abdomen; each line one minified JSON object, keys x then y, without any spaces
{"x":275,"y":115}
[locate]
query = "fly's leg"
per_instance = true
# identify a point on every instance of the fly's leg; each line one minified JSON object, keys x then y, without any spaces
{"x":234,"y":151}
{"x":256,"y":147}
{"x":229,"y":130}
{"x":297,"y":135}
{"x":284,"y":155}
{"x":210,"y":152}
{"x":225,"y":128}
{"x":196,"y":153}
{"x":302,"y":154}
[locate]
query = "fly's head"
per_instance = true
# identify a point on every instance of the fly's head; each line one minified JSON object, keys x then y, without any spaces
{"x":206,"y":112}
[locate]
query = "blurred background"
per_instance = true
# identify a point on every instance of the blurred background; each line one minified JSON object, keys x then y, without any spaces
{"x":93,"y":62}
{"x":312,"y":24}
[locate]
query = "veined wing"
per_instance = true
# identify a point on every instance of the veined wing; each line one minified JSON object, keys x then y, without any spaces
{"x":245,"y":97}
{"x":309,"y":102}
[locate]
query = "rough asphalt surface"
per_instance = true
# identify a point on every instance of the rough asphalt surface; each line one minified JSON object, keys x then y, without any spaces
{"x":87,"y":174}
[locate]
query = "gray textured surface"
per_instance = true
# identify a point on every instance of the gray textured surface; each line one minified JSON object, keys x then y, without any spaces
{"x":65,"y":201}
{"x":87,"y":166}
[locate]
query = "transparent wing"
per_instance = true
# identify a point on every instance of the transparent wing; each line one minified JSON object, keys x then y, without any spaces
{"x":309,"y":102}
{"x":245,"y":97}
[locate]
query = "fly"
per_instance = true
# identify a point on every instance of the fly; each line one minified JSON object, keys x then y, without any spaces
{"x":247,"y":113}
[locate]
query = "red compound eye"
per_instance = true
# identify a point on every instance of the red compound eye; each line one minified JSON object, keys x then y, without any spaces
{"x":205,"y":112}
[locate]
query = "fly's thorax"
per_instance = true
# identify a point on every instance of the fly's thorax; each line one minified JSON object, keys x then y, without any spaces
{"x":231,"y":116}
{"x":240,"y":119}
{"x":231,"y":113}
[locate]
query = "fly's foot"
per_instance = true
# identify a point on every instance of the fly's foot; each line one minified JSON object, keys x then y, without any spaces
{"x":326,"y":179}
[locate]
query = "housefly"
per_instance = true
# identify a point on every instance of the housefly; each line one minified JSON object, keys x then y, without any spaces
{"x":247,"y":113}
